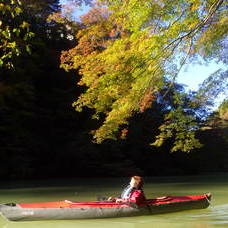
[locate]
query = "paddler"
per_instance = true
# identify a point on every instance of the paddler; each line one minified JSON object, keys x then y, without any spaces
{"x":132,"y":193}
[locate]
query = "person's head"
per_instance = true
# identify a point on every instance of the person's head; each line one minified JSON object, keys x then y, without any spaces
{"x":136,"y":182}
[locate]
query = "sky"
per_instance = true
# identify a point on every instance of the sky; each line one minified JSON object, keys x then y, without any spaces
{"x":194,"y":74}
{"x":191,"y":75}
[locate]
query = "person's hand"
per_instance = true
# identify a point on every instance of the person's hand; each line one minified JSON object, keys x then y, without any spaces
{"x":111,"y":198}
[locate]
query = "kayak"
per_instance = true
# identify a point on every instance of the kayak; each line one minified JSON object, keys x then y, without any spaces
{"x":101,"y":209}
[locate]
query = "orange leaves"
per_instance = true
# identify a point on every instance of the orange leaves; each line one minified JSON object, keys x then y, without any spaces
{"x":96,"y":33}
{"x":147,"y":100}
{"x":124,"y":133}
{"x":66,"y":58}
{"x":95,"y":15}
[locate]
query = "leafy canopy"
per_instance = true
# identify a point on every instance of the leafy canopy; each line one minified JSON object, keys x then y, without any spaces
{"x":128,"y":50}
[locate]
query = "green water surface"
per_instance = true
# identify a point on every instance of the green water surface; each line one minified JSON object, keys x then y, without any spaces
{"x":88,"y":189}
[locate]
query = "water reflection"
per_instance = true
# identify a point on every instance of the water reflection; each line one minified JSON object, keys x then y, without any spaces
{"x":218,"y":215}
{"x":194,"y":219}
{"x":104,"y":224}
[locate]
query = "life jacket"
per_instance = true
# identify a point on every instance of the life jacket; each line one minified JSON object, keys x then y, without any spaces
{"x":137,"y":196}
{"x":127,"y":192}
{"x":133,"y":195}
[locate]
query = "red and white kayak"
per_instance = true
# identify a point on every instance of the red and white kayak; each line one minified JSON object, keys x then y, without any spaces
{"x":101,"y":209}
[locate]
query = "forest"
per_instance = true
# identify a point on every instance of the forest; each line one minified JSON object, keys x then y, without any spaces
{"x":98,"y":97}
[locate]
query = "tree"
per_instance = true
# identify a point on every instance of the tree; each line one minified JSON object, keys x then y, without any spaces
{"x":129,"y":50}
{"x":17,"y":17}
{"x":26,"y":96}
{"x":213,"y":86}
{"x":14,"y":32}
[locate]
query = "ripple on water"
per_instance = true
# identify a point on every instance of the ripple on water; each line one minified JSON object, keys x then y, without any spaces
{"x":215,"y":215}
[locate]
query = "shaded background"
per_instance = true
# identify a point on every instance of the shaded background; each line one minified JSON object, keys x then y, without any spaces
{"x":41,"y":136}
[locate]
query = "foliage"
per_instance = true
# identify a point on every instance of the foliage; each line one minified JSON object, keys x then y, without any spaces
{"x":14,"y":32}
{"x":180,"y":126}
{"x":42,"y":137}
{"x":213,"y":86}
{"x":128,"y":50}
{"x":35,"y":99}
{"x":40,"y":9}
{"x":223,"y":110}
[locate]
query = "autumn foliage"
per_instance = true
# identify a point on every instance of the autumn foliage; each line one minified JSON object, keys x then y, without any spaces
{"x":128,"y":51}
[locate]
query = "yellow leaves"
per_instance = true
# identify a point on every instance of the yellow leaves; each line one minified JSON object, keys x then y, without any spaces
{"x":57,"y":17}
{"x":152,"y":66}
{"x":25,"y":25}
{"x":224,"y":21}
{"x":2,"y":6}
{"x":195,"y":5}
{"x":113,"y":120}
{"x":17,"y":10}
{"x":11,"y":44}
{"x":193,"y":24}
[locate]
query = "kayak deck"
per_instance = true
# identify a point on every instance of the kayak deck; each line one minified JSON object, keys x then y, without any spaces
{"x":98,"y":204}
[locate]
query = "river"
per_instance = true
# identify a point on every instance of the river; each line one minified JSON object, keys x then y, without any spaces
{"x":88,"y":189}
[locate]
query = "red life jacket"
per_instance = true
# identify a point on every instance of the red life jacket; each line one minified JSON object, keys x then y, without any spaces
{"x":137,"y":196}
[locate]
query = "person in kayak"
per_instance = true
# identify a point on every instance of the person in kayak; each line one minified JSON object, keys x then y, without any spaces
{"x":132,"y":193}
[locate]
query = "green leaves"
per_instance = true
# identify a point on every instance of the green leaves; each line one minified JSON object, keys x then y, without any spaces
{"x":180,"y":127}
{"x":14,"y":32}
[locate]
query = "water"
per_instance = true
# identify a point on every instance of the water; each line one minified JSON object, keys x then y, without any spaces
{"x":214,"y":216}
